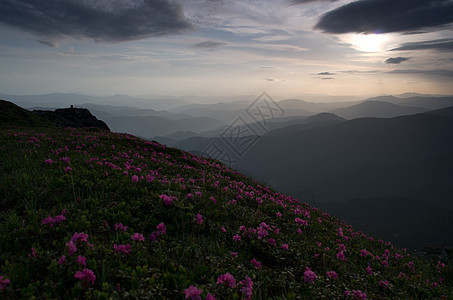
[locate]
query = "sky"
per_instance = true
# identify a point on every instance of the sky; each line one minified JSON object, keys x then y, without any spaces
{"x":287,"y":48}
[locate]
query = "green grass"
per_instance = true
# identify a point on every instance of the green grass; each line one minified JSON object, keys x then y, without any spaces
{"x":96,"y":194}
{"x":13,"y":115}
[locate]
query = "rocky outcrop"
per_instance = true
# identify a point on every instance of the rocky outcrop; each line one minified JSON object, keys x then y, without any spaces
{"x":72,"y":117}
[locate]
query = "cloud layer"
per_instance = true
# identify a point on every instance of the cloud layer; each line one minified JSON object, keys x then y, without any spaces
{"x":438,"y":45}
{"x":396,"y":60}
{"x":385,"y":16}
{"x":104,"y":21}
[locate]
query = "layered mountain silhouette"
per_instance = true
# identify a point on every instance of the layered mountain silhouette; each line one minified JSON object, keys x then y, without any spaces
{"x":366,"y":161}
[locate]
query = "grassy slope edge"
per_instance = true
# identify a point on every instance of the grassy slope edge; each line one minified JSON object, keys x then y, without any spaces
{"x":189,"y":221}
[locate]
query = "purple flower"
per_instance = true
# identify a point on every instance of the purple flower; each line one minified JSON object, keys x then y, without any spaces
{"x":161,"y":229}
{"x":121,"y":227}
{"x":71,"y":248}
{"x":80,"y":236}
{"x":138,"y":237}
{"x":122,"y":248}
{"x":332,"y":274}
{"x":284,"y":246}
{"x":193,"y":293}
{"x":210,"y":297}
{"x":237,"y":238}
{"x":228,"y":279}
{"x":256,"y":263}
{"x":134,"y":178}
{"x":358,"y":294}
{"x":168,"y":200}
{"x":86,"y":275}
{"x":309,"y":276}
{"x":199,"y":219}
{"x":62,"y":260}
{"x":3,"y":282}
{"x":81,"y":260}
{"x":247,"y":290}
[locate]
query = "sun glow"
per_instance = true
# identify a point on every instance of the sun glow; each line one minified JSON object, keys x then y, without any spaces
{"x":368,"y":42}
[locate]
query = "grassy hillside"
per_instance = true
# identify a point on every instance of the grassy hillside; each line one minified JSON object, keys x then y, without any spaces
{"x":105,"y":215}
{"x":13,"y":115}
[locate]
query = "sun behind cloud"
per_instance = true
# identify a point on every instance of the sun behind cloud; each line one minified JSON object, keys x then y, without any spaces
{"x":368,"y":42}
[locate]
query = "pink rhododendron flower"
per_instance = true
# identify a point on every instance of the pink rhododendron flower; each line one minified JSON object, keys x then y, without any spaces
{"x":48,"y":221}
{"x":341,"y":247}
{"x":278,"y":214}
{"x":168,"y":200}
{"x":440,"y":266}
{"x":358,"y":294}
{"x":301,"y":221}
{"x":214,"y":200}
{"x":193,"y":293}
{"x":271,"y":241}
{"x":364,"y":253}
{"x":411,"y":265}
{"x":369,"y":270}
{"x":161,"y":229}
{"x":256,"y":263}
{"x":80,"y":236}
{"x":86,"y":275}
{"x":150,"y":178}
{"x":81,"y":260}
{"x":3,"y":282}
{"x":199,"y":219}
{"x":134,"y":178}
{"x":71,"y":248}
{"x":247,"y":290}
{"x":122,"y":248}
{"x":309,"y":276}
{"x":67,"y":169}
{"x":384,"y":283}
{"x":121,"y":227}
{"x":62,"y":260}
{"x":223,"y":229}
{"x":59,"y":219}
{"x":340,"y":256}
{"x":284,"y":246}
{"x":332,"y":274}
{"x":210,"y":297}
{"x":138,"y":237}
{"x":228,"y":279}
{"x":237,"y":238}
{"x":48,"y":162}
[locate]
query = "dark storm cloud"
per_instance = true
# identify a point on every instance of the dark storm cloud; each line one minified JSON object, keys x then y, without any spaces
{"x":396,"y":60}
{"x":439,"y":45}
{"x":104,"y":21}
{"x":308,"y":1}
{"x":436,"y":72}
{"x":383,"y":16}
{"x":208,"y":45}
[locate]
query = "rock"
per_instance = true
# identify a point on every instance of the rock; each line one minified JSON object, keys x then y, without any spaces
{"x":72,"y":117}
